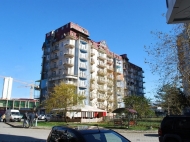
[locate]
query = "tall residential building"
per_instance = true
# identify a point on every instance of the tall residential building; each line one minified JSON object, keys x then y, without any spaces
{"x":7,"y":88}
{"x":133,"y":78}
{"x":69,"y":55}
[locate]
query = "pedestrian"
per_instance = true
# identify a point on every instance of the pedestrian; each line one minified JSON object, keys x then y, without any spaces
{"x":25,"y":117}
{"x":3,"y":117}
{"x":36,"y":119}
{"x":31,"y":119}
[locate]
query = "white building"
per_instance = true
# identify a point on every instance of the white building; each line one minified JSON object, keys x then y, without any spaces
{"x":7,"y":88}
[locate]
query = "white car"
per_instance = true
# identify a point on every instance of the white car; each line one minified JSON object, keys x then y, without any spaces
{"x":48,"y":117}
{"x":41,"y":116}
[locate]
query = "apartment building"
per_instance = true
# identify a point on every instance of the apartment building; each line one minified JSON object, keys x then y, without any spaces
{"x":133,"y":78}
{"x":69,"y":55}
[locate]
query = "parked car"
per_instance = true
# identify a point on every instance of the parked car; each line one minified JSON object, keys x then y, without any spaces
{"x":84,"y":134}
{"x":48,"y":117}
{"x":41,"y":117}
{"x":175,"y":129}
{"x":12,"y":115}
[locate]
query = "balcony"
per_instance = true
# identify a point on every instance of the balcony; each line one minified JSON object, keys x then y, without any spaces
{"x":101,"y":89}
{"x":92,"y":52}
{"x":101,"y":98}
{"x":109,"y":91}
{"x":83,"y":47}
{"x":101,"y":65}
{"x":92,"y":96}
{"x":92,"y":78}
{"x":119,"y":100}
{"x":69,"y":63}
{"x":101,"y":106}
{"x":54,"y":58}
{"x":69,"y":36}
{"x":82,"y":75}
{"x":55,"y":49}
{"x":119,"y":93}
{"x":83,"y":57}
{"x":109,"y":61}
{"x":92,"y":61}
{"x":118,"y":72}
{"x":110,"y":99}
{"x":101,"y":73}
{"x":54,"y":67}
{"x":82,"y":66}
{"x":69,"y":54}
{"x":109,"y":83}
{"x":81,"y":85}
{"x":101,"y":81}
{"x":102,"y":57}
{"x":119,"y":85}
{"x":110,"y":69}
{"x":110,"y":77}
{"x":70,"y":82}
{"x":119,"y":78}
{"x":69,"y":44}
{"x":92,"y":86}
{"x":92,"y":69}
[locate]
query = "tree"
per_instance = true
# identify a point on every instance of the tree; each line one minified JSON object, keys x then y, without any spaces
{"x":62,"y":97}
{"x":138,"y":103}
{"x":163,"y":56}
{"x":172,"y":99}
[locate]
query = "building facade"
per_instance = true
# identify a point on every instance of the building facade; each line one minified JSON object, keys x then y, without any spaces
{"x":69,"y":55}
{"x":133,"y":78}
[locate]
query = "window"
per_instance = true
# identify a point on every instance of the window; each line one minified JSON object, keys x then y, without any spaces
{"x":61,"y":53}
{"x":60,"y":62}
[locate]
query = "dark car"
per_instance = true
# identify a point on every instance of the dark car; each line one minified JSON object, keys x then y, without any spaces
{"x":175,"y":129}
{"x":84,"y":134}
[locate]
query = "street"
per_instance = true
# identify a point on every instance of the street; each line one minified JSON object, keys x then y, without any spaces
{"x":11,"y":134}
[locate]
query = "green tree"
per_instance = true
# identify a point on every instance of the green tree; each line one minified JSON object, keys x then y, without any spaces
{"x":62,"y":97}
{"x":172,"y":99}
{"x":138,"y":103}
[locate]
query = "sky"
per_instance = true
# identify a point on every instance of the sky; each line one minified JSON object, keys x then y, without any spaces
{"x":125,"y":25}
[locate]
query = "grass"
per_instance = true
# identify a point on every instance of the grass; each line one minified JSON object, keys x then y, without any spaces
{"x":142,"y":124}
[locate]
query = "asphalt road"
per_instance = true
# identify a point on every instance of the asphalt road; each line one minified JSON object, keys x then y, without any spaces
{"x":11,"y":134}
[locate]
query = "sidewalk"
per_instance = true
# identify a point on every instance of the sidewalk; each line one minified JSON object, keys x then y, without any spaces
{"x":19,"y":125}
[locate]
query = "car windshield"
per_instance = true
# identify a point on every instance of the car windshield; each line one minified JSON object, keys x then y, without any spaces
{"x":15,"y":113}
{"x":105,"y":137}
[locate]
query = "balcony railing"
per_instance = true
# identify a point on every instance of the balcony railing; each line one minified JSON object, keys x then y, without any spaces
{"x":69,"y":63}
{"x":101,"y":89}
{"x":109,"y":61}
{"x":92,"y":52}
{"x":83,"y":56}
{"x":82,"y":85}
{"x":101,"y":57}
{"x":92,"y":61}
{"x":69,"y":44}
{"x":53,"y":67}
{"x":110,"y":69}
{"x":101,"y":98}
{"x":83,"y":47}
{"x":119,"y":78}
{"x":101,"y":80}
{"x":101,"y":72}
{"x":92,"y":87}
{"x":55,"y":49}
{"x":92,"y":96}
{"x":70,"y":82}
{"x":83,"y":66}
{"x":53,"y":58}
{"x":82,"y":75}
{"x":92,"y":69}
{"x":101,"y":65}
{"x":69,"y":53}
